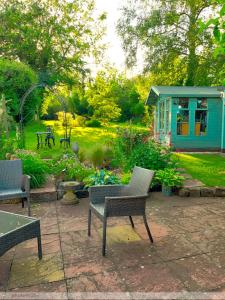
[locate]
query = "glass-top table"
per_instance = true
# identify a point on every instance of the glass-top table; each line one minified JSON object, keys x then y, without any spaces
{"x":15,"y":229}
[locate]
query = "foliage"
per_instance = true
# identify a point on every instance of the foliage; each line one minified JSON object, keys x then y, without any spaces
{"x":73,"y":168}
{"x":33,"y":166}
{"x":150,"y":155}
{"x":126,"y":141}
{"x":125,"y":178}
{"x":101,"y":177}
{"x":15,"y":79}
{"x":79,"y":121}
{"x":102,"y":157}
{"x":169,"y":177}
{"x":93,"y":123}
{"x":171,"y":36}
{"x":111,"y":92}
{"x":218,"y":24}
{"x":54,"y":37}
{"x":5,"y":119}
{"x":65,"y":119}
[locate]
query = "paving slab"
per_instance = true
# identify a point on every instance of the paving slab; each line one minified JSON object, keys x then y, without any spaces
{"x":187,"y":253}
{"x":32,"y":271}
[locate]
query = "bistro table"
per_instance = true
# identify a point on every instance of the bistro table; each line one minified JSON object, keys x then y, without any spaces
{"x":44,"y":137}
{"x":15,"y":229}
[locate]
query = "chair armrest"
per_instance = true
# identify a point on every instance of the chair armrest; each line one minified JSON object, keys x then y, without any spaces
{"x":125,"y":205}
{"x":118,"y":198}
{"x":97,"y":194}
{"x":26,"y":183}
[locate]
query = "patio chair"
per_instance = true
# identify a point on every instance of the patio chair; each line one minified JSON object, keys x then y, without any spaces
{"x":121,"y":200}
{"x":13,"y":184}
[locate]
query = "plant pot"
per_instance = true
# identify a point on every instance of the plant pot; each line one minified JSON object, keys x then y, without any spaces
{"x":167,"y":190}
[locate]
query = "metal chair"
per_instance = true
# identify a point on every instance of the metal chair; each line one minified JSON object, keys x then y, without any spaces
{"x":13,"y":184}
{"x":66,"y":138}
{"x":49,"y":136}
{"x":121,"y":200}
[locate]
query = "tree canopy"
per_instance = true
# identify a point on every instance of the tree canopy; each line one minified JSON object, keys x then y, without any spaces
{"x":54,"y":37}
{"x":170,"y":36}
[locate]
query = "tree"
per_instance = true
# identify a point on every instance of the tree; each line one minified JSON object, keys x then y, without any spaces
{"x":218,"y":24}
{"x":169,"y":31}
{"x":15,"y":79}
{"x":114,"y":90}
{"x":54,"y":37}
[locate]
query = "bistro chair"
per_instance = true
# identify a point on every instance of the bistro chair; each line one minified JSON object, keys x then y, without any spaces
{"x":121,"y":200}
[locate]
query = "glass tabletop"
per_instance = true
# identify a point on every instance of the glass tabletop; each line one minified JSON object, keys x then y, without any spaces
{"x":10,"y":222}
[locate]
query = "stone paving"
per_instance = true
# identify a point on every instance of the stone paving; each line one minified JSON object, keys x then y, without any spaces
{"x":187,"y":254}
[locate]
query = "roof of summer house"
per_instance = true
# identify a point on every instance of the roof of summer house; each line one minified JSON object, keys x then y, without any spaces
{"x":183,"y":91}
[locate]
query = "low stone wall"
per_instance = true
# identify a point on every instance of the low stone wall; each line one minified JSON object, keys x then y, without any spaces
{"x":202,"y":191}
{"x":43,"y":194}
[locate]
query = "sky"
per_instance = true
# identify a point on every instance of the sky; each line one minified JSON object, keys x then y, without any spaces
{"x":114,"y":53}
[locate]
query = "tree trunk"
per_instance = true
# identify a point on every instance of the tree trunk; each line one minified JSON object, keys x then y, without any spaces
{"x":192,"y":65}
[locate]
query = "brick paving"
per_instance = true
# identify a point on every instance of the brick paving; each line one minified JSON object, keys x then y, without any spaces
{"x":187,"y":254}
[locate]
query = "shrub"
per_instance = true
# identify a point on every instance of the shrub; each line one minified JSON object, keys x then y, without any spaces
{"x":150,"y":155}
{"x":169,"y":177}
{"x":127,"y":139}
{"x":15,"y":79}
{"x":102,"y":157}
{"x":33,"y":166}
{"x":125,"y":178}
{"x":79,"y":121}
{"x":97,"y":157}
{"x":74,"y":169}
{"x":102,"y":177}
{"x":93,"y":123}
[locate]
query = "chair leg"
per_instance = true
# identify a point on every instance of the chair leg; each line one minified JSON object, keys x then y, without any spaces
{"x":104,"y":237}
{"x":131,"y":221}
{"x":147,"y":228}
{"x":28,"y":206}
{"x":89,"y":222}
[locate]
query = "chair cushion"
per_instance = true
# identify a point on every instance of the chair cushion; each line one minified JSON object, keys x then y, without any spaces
{"x":11,"y":194}
{"x":99,"y":208}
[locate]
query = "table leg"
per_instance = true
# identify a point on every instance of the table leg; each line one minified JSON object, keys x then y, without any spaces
{"x":39,"y":246}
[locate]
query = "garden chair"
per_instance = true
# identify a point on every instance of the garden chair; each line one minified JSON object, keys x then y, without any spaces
{"x":13,"y":184}
{"x":49,"y":136}
{"x":121,"y":200}
{"x":66,"y":139}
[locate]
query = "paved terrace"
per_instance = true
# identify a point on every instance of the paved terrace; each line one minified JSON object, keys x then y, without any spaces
{"x":188,"y":253}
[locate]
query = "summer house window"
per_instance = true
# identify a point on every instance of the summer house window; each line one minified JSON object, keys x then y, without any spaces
{"x":201,"y":114}
{"x":183,"y":116}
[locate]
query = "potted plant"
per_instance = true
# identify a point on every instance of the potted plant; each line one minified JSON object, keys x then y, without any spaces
{"x":169,"y":178}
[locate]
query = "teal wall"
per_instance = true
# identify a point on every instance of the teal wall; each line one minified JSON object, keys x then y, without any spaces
{"x":211,"y":141}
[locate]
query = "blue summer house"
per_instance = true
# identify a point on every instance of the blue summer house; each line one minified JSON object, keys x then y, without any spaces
{"x":189,"y":118}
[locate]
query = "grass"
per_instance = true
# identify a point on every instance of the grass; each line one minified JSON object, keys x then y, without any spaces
{"x":208,"y":168}
{"x":88,"y":138}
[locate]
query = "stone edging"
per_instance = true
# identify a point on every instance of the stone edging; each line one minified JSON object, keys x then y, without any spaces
{"x":202,"y":191}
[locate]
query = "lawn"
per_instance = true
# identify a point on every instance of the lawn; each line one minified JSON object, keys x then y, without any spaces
{"x":88,"y":138}
{"x":208,"y":168}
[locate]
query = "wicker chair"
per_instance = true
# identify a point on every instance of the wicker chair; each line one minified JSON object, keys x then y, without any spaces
{"x":121,"y":200}
{"x":13,"y":184}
